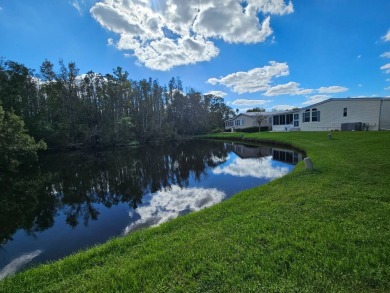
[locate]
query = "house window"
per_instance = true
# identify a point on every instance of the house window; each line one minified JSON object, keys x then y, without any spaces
{"x":243,"y":122}
{"x":289,"y":118}
{"x":282,"y":119}
{"x":270,"y":120}
{"x":296,"y":116}
{"x":306,"y":116}
{"x":345,"y":112}
{"x":315,"y":115}
{"x":276,"y":120}
{"x":238,"y":122}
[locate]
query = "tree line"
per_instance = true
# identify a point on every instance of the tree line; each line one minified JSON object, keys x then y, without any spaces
{"x":66,"y":109}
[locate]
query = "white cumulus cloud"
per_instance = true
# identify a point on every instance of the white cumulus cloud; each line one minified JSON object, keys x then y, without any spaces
{"x":110,"y":42}
{"x":332,"y":89}
{"x":261,"y":79}
{"x":175,"y":32}
{"x":246,"y":102}
{"x":316,"y":99}
{"x":386,"y":68}
{"x":254,"y":80}
{"x":386,"y":55}
{"x":386,"y":37}
{"x":283,"y":107}
{"x":272,"y":7}
{"x":226,"y":20}
{"x":291,"y":88}
{"x":216,"y":93}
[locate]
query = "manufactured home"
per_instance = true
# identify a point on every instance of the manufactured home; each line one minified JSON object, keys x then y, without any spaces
{"x":336,"y":114}
{"x":249,"y":120}
{"x":342,"y":114}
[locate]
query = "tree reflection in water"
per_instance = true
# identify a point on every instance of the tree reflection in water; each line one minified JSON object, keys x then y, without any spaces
{"x":74,"y":183}
{"x":73,"y":200}
{"x":26,"y":203}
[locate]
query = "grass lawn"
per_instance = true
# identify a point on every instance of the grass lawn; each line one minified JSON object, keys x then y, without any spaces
{"x":325,"y":230}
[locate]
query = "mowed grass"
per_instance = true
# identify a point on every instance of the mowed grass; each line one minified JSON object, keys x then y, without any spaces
{"x":326,"y":230}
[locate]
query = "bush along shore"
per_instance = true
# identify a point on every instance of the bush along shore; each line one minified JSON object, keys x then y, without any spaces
{"x":320,"y":230}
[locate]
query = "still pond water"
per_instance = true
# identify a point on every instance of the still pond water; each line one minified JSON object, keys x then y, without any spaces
{"x":73,"y":200}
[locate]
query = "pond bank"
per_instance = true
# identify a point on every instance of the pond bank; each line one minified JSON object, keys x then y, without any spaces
{"x":73,"y":200}
{"x":324,"y":230}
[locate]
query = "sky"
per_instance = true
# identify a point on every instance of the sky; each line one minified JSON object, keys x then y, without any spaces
{"x":272,"y":54}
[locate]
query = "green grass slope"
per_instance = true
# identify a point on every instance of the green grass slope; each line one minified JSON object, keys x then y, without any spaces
{"x":326,"y":230}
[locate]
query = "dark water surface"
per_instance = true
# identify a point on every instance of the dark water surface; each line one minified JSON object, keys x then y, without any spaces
{"x":73,"y":200}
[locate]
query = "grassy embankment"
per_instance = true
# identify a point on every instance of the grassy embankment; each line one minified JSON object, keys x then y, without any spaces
{"x":326,"y":230}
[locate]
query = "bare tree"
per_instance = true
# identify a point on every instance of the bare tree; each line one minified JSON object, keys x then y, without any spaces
{"x":259,"y":118}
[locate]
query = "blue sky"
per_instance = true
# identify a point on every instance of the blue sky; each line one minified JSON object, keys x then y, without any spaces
{"x":273,"y":54}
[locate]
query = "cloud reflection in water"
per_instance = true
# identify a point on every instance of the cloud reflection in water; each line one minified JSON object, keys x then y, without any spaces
{"x":258,"y":168}
{"x":18,"y":263}
{"x":218,"y":160}
{"x":169,"y":204}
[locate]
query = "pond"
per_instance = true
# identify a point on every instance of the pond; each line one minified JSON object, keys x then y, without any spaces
{"x":73,"y":200}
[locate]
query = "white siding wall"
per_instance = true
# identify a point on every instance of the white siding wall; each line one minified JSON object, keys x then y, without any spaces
{"x":264,"y":123}
{"x":228,"y":127}
{"x":385,"y":115}
{"x":279,"y":128}
{"x":248,"y":122}
{"x":245,"y":122}
{"x":331,"y":114}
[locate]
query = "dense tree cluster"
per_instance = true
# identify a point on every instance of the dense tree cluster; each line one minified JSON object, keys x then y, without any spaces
{"x":67,"y":109}
{"x":16,"y":146}
{"x":257,"y":109}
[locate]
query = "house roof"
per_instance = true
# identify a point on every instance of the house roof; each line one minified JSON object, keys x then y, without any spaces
{"x":284,"y":112}
{"x":345,"y":99}
{"x":250,"y":114}
{"x":253,"y":114}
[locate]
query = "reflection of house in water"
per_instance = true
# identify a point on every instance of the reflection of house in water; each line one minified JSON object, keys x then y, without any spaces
{"x":287,"y":156}
{"x":250,"y":151}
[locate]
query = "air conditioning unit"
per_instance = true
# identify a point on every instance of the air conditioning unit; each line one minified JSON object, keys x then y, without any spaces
{"x":352,"y":126}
